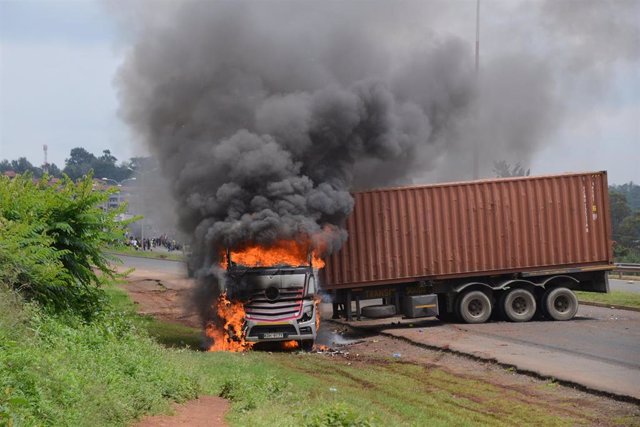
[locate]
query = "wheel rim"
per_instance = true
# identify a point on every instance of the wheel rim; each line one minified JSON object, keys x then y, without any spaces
{"x":475,"y":308}
{"x":561,"y":304}
{"x":520,"y":305}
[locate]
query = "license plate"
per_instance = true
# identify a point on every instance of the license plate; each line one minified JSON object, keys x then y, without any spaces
{"x":270,"y":335}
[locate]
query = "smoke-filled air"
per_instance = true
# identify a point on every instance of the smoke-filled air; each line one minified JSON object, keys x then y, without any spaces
{"x":265,"y":115}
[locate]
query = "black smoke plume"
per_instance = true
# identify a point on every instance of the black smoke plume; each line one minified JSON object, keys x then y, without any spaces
{"x":264,"y":115}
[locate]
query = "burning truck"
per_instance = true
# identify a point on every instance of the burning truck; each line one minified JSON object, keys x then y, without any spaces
{"x":269,"y":295}
{"x":468,"y":251}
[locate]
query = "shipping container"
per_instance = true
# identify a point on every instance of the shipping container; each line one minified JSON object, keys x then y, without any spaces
{"x":531,"y":232}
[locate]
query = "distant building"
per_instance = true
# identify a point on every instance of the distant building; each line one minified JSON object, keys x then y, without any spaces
{"x":116,"y":199}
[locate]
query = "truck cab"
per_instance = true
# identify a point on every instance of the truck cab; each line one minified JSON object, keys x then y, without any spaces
{"x":279,"y":302}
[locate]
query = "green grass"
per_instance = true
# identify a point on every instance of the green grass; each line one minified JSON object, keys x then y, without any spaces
{"x":62,"y":370}
{"x":293,"y":389}
{"x":169,"y":334}
{"x":621,"y":298}
{"x":173,"y":256}
{"x":109,"y":372}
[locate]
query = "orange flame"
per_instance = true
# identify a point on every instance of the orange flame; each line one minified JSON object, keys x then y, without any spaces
{"x":284,"y":252}
{"x":290,"y":345}
{"x":231,"y":336}
{"x":316,"y":301}
{"x":322,"y":348}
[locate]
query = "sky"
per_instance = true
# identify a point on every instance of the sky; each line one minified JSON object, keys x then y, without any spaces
{"x":59,"y":59}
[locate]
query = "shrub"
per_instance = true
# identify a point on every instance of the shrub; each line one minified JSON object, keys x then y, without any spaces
{"x":67,"y":357}
{"x":51,"y":240}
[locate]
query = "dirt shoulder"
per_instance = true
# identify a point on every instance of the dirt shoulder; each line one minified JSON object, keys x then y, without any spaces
{"x":163,"y":295}
{"x":206,"y":411}
{"x":520,"y":389}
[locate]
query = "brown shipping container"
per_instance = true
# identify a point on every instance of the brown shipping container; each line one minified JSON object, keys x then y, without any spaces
{"x":475,"y":228}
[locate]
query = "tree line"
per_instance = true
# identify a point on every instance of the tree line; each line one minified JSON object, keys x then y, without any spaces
{"x":624,"y":201}
{"x":79,"y":163}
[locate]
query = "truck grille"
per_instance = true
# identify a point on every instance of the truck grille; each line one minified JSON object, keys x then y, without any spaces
{"x":287,"y":304}
{"x":287,"y":330}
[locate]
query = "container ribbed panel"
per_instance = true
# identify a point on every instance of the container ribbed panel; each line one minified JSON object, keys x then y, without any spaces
{"x":477,"y":227}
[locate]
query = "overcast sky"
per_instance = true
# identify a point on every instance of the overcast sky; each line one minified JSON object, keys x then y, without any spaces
{"x":58,"y":60}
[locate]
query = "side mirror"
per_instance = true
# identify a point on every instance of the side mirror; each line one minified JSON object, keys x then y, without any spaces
{"x":311,"y":289}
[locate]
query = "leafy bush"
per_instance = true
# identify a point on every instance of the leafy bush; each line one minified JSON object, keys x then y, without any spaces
{"x":63,"y":370}
{"x":51,"y":239}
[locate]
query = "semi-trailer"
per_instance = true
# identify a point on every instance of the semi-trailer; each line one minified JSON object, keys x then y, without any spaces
{"x":464,"y":251}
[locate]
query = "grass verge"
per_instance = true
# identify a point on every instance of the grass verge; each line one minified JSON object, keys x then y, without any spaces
{"x":62,"y":370}
{"x":308,"y":389}
{"x":169,"y":334}
{"x":319,"y":390}
{"x":56,"y":371}
{"x":618,"y":298}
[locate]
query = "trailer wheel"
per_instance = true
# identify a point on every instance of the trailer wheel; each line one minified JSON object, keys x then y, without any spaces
{"x":474,"y":307}
{"x":560,"y":304}
{"x":517,"y":305}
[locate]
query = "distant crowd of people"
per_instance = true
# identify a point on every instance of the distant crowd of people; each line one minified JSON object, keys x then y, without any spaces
{"x":147,"y":244}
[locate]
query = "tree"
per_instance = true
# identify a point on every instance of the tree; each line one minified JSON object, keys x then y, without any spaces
{"x":619,"y":211}
{"x":54,"y":170}
{"x":629,"y":231}
{"x":142,"y":164}
{"x":631,"y":192}
{"x":79,"y":163}
{"x":105,"y":166}
{"x":5,"y":166}
{"x":22,"y":165}
{"x":502,"y":169}
{"x":51,"y":241}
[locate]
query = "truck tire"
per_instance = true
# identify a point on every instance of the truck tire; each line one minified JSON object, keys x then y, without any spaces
{"x":474,"y":307}
{"x":379,"y":311}
{"x":518,"y":305}
{"x":306,"y":345}
{"x":560,"y":304}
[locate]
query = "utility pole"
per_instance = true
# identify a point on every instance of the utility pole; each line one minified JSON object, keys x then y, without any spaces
{"x":45,"y":166}
{"x":476,"y":148}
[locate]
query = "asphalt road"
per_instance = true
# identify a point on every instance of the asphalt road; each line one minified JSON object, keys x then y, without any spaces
{"x":599,"y":349}
{"x":163,"y":265}
{"x":624,"y":285}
